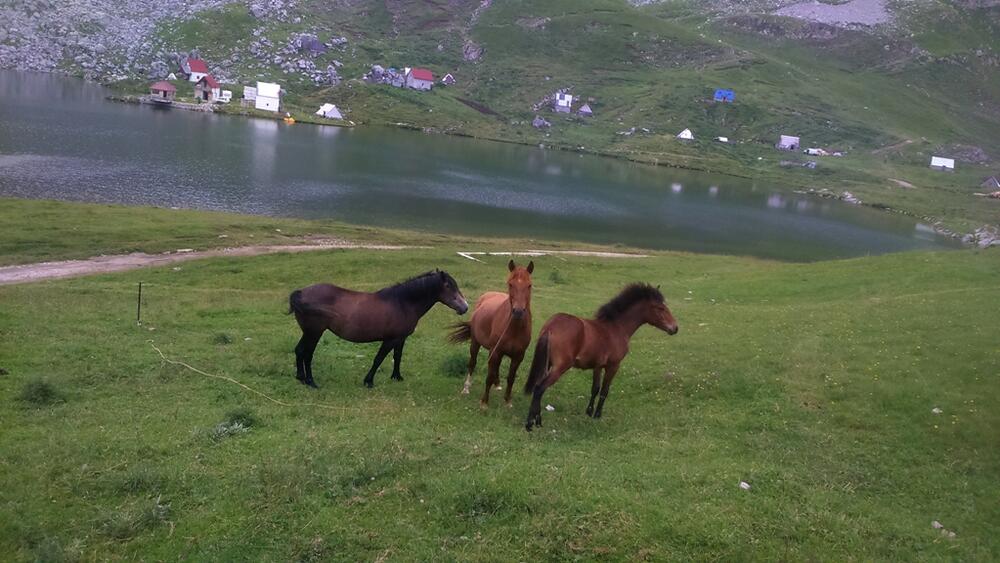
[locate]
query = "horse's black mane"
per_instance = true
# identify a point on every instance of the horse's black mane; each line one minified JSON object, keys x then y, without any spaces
{"x":632,"y":294}
{"x":418,"y":287}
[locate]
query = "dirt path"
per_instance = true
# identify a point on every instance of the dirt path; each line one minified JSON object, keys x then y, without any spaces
{"x":26,"y":273}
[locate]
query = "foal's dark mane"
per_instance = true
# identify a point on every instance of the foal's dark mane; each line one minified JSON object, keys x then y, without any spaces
{"x":416,"y":288}
{"x":632,"y":294}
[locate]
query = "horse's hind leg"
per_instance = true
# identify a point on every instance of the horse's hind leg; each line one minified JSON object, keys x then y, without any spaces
{"x":308,"y":343}
{"x":383,"y":351}
{"x":553,"y":374}
{"x":300,"y":366}
{"x":473,"y":356}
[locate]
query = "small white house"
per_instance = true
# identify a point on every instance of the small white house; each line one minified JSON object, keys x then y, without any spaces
{"x":268,"y":96}
{"x":195,"y":69}
{"x":419,"y":78}
{"x":686,"y":135}
{"x":941,"y":163}
{"x":564,"y":102}
{"x":787,"y":143}
{"x":329,"y":111}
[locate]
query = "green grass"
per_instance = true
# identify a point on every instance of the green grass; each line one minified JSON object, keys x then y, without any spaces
{"x":814,"y":383}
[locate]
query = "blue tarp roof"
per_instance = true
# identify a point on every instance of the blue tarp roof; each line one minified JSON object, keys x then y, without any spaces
{"x":724,"y":95}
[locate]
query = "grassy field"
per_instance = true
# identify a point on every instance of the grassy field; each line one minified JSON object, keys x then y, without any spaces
{"x":890,"y":98}
{"x":814,"y":383}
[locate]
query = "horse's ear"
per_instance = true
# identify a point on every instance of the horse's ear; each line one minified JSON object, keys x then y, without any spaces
{"x":531,"y":266}
{"x":657,"y":287}
{"x":511,"y":265}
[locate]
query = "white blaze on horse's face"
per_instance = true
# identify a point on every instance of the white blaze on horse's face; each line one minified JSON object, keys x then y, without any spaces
{"x":519,"y":288}
{"x":451,"y":296}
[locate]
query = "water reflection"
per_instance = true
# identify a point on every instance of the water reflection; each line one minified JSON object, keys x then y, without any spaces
{"x":60,"y":139}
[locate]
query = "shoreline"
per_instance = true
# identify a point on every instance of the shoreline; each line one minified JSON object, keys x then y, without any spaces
{"x":120,"y":95}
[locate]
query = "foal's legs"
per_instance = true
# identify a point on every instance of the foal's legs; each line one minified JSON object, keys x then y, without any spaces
{"x":594,"y":388}
{"x":492,"y":376}
{"x":397,"y":355}
{"x":383,"y":351}
{"x":553,"y":374}
{"x":515,"y":362}
{"x":304,"y":356}
{"x":473,"y":356}
{"x":609,"y":375}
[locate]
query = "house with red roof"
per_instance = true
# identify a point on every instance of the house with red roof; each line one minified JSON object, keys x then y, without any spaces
{"x":195,"y":69}
{"x":162,"y":92}
{"x":419,"y":79}
{"x":207,"y":89}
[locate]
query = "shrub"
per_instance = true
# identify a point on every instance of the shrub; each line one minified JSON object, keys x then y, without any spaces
{"x":455,"y":365}
{"x":222,"y":339}
{"x":38,"y":393}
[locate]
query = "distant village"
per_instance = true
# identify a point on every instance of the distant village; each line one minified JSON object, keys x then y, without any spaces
{"x":266,"y":97}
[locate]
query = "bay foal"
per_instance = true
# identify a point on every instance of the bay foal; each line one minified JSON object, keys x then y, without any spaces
{"x":599,"y":344}
{"x":389,"y":315}
{"x":501,"y":323}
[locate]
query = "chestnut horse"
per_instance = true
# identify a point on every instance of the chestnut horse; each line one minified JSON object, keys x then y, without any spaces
{"x":501,"y":322}
{"x":389,"y":315}
{"x":599,"y":344}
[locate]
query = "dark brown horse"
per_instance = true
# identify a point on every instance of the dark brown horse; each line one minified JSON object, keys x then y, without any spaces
{"x":599,"y":344}
{"x":389,"y":315}
{"x":501,"y":323}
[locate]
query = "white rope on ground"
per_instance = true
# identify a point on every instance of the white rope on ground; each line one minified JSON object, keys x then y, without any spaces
{"x":244,"y":386}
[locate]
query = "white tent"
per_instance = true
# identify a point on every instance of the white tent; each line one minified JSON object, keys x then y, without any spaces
{"x":329,"y":111}
{"x":722,"y":139}
{"x":686,"y":135}
{"x":788,"y":143}
{"x":941,"y":163}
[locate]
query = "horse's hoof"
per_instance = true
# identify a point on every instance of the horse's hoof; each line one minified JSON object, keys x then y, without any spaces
{"x":311,"y":384}
{"x":590,"y":411}
{"x":397,"y":377}
{"x":527,"y":427}
{"x":483,"y":405}
{"x":369,"y":384}
{"x":509,"y":404}
{"x":465,"y":391}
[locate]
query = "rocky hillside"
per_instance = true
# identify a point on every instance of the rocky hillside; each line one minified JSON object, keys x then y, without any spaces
{"x":887,"y":82}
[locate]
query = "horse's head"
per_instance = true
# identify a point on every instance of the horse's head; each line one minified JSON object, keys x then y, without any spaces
{"x":519,"y":288}
{"x":450,"y":294}
{"x":659,"y":315}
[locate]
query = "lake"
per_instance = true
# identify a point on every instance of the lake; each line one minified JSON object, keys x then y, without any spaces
{"x":60,"y":139}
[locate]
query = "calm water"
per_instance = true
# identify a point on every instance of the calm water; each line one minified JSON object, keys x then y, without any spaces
{"x":60,"y":139}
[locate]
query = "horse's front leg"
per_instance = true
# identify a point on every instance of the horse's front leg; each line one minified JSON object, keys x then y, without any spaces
{"x":492,"y":376}
{"x":383,"y":351}
{"x":609,"y":376}
{"x":515,"y":362}
{"x":397,"y":355}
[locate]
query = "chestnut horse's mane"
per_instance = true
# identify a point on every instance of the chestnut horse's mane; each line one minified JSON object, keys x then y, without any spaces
{"x":632,"y":294}
{"x":423,"y":285}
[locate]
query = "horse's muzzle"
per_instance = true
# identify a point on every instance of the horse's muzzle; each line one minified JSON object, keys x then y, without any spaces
{"x":518,"y":313}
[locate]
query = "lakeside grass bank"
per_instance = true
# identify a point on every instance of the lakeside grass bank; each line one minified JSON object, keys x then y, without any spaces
{"x":814,"y":383}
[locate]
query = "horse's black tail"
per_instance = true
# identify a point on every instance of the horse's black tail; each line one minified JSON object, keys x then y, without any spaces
{"x":295,"y":304}
{"x":462,"y":332}
{"x":539,"y":363}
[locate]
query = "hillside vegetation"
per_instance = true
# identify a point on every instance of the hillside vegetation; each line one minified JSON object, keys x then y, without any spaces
{"x":858,"y":400}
